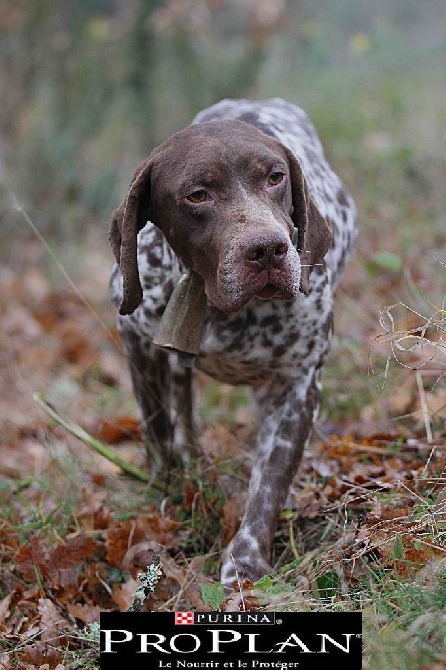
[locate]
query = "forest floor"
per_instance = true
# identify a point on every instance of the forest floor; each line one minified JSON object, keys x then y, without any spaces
{"x":366,"y":514}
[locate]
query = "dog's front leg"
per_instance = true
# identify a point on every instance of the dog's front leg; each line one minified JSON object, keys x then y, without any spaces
{"x":163,"y":391}
{"x":287,"y":410}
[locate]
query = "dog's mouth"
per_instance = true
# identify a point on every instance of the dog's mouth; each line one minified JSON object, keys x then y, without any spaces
{"x":232,"y":289}
{"x":269,"y":291}
{"x":235,"y":302}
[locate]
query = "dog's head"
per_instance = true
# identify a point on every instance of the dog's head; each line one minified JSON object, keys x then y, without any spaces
{"x":228,"y":199}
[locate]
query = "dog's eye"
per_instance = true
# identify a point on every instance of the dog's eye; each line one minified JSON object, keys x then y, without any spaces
{"x":197,"y":196}
{"x":275,"y":178}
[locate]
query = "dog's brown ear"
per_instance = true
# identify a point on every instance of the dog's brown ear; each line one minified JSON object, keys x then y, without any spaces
{"x":314,"y":236}
{"x":127,"y":221}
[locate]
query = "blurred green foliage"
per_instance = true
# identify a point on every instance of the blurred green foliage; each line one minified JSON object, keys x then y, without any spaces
{"x":88,"y":88}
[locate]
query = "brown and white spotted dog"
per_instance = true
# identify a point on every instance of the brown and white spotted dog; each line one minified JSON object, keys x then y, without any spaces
{"x":245,"y":198}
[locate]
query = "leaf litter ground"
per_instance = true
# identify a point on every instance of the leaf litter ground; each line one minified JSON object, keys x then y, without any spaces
{"x":75,"y":533}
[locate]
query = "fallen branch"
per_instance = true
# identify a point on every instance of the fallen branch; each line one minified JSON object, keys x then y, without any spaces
{"x":95,"y":444}
{"x":148,"y":581}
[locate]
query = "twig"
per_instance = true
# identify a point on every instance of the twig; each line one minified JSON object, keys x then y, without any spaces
{"x":292,"y":540}
{"x":95,"y":444}
{"x":240,"y":584}
{"x":424,"y":407}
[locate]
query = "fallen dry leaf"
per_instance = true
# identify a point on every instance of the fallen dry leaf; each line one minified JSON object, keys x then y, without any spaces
{"x":186,"y":581}
{"x":40,"y":654}
{"x":53,"y":624}
{"x":119,"y":429}
{"x":242,"y":599}
{"x":84,"y":612}
{"x":31,"y":557}
{"x":4,"y":610}
{"x":6,"y":662}
{"x":73,"y":552}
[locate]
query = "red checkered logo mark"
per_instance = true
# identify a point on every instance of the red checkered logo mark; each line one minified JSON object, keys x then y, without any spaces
{"x":182,"y":618}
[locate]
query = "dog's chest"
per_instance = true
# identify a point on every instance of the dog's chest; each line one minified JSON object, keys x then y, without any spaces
{"x":266,"y":339}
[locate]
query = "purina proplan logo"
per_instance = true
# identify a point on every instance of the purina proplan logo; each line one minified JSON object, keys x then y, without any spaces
{"x":249,"y":640}
{"x":218,"y":641}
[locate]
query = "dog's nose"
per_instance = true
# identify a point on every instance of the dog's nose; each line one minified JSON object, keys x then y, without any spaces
{"x":263,"y":252}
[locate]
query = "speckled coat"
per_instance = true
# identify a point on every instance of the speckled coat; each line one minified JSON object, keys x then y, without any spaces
{"x":276,"y":345}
